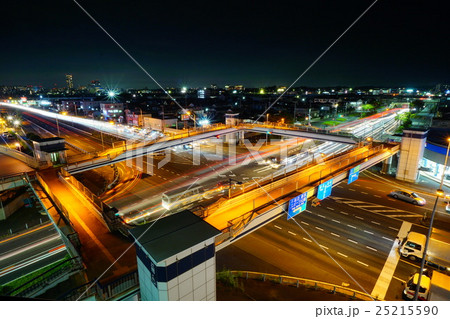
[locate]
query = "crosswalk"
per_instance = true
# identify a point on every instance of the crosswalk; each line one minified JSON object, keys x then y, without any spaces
{"x":375,"y":208}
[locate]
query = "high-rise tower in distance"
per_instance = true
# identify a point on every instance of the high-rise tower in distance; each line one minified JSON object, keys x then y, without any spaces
{"x":69,"y":82}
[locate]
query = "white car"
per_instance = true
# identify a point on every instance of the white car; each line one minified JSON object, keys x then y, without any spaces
{"x":412,"y":198}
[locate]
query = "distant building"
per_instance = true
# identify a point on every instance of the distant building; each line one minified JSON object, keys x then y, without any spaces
{"x":111,"y":110}
{"x":88,"y":105}
{"x":69,"y":82}
{"x":132,"y":118}
{"x":157,"y":124}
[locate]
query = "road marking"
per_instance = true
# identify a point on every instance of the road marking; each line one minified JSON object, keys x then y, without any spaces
{"x":277,"y":226}
{"x":342,"y":255}
{"x":351,"y":189}
{"x":325,"y":247}
{"x":401,"y":280}
{"x":362,"y":263}
{"x":321,"y":216}
{"x":359,"y":217}
{"x":384,"y":280}
{"x":304,"y":222}
{"x":335,"y":235}
{"x":392,"y":200}
{"x":409,"y":263}
{"x":412,"y":215}
{"x":371,"y":248}
{"x":343,"y":213}
{"x":307,"y":239}
{"x":369,"y":232}
{"x":339,"y":187}
{"x":365,"y":193}
{"x":368,"y":187}
{"x":292,"y":233}
{"x":387,"y":238}
{"x":351,"y":226}
{"x":392,"y":228}
{"x":336,"y":221}
{"x":318,"y":228}
{"x":377,"y":196}
{"x":376,"y":223}
{"x":330,"y":208}
{"x":351,"y":240}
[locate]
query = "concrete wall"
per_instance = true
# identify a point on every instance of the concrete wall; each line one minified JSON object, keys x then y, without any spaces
{"x":13,"y":206}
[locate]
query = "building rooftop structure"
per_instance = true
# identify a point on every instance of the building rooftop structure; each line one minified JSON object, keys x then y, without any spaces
{"x":173,"y":234}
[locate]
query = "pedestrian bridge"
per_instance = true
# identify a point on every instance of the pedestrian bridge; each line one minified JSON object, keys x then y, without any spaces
{"x":132,"y":152}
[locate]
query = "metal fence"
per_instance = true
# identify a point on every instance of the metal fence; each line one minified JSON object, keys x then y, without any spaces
{"x":308,"y":283}
{"x":35,"y":285}
{"x":105,"y":291}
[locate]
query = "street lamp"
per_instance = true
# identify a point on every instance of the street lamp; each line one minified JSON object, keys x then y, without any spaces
{"x":439,"y":193}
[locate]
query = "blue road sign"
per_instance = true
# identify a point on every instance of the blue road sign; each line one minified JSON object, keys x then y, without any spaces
{"x":297,"y":205}
{"x":353,"y":174}
{"x":324,"y":189}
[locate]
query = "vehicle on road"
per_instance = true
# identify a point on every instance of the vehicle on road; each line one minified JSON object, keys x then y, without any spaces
{"x":437,"y":256}
{"x":409,"y":197}
{"x":182,"y":196}
{"x":434,"y":286}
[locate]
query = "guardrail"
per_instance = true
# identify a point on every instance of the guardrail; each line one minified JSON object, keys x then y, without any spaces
{"x":308,"y":283}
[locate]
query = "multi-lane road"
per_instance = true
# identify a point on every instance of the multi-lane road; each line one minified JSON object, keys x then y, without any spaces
{"x":29,"y":251}
{"x":345,"y":240}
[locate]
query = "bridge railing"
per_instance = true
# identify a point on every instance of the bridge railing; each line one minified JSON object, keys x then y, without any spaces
{"x":293,"y":127}
{"x":308,"y":283}
{"x":27,"y":159}
{"x":301,"y":176}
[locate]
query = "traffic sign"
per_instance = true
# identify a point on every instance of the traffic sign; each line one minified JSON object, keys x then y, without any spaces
{"x":324,"y":189}
{"x":353,"y":174}
{"x":297,"y":205}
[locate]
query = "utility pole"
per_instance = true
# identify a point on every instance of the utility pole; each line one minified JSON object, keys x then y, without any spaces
{"x":57,"y":125}
{"x":162,"y":123}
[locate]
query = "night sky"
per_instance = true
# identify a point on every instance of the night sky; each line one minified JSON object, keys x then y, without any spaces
{"x":198,"y":43}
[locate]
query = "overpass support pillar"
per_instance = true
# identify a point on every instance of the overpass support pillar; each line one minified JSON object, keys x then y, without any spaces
{"x":170,"y":267}
{"x":411,"y":152}
{"x":231,"y":138}
{"x":386,"y":165}
{"x":241,"y":137}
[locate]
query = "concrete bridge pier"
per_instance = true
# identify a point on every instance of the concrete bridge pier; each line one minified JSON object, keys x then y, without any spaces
{"x":386,"y":165}
{"x":411,"y":153}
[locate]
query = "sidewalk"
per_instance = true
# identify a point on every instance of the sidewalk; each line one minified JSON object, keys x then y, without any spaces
{"x":100,"y":248}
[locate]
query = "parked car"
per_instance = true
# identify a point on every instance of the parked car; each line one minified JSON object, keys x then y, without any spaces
{"x":409,"y":197}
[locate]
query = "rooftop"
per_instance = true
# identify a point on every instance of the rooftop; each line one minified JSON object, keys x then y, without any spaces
{"x":173,"y":234}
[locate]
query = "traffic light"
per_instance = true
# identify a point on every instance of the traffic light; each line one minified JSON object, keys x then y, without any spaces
{"x":269,"y":132}
{"x":217,"y":136}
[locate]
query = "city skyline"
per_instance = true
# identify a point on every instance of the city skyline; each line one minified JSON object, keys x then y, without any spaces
{"x":198,"y":44}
